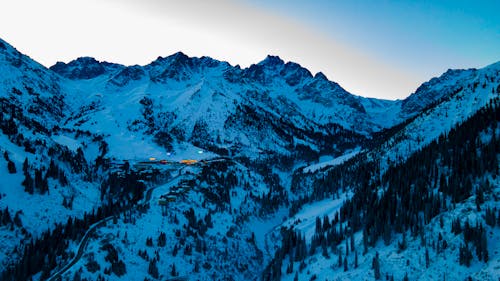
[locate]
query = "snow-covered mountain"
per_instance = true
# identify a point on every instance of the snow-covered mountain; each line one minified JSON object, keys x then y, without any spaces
{"x":206,"y":102}
{"x":430,"y":172}
{"x":273,"y":144}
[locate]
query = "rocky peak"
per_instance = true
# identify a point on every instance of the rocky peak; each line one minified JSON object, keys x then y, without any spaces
{"x":130,"y":73}
{"x":320,"y":76}
{"x":83,"y":68}
{"x":271,"y":62}
{"x":434,"y":90}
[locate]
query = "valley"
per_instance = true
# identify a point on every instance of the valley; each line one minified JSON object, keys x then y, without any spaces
{"x":193,"y":169}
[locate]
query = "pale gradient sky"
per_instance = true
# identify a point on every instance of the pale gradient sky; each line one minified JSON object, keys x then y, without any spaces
{"x":381,"y":49}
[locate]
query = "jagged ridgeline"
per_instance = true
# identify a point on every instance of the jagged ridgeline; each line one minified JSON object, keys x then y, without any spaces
{"x":194,"y":169}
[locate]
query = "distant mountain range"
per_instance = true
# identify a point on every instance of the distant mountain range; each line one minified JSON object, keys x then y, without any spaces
{"x":271,"y":144}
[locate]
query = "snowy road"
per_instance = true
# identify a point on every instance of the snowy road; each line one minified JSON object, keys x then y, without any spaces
{"x":84,"y":242}
{"x":81,"y":248}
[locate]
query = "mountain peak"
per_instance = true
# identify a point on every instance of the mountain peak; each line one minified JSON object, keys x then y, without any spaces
{"x":85,"y":60}
{"x":3,"y":45}
{"x":269,"y":148}
{"x":272,"y":61}
{"x":320,"y":76}
{"x":179,"y":56}
{"x":83,"y":68}
{"x":177,"y":59}
{"x":8,"y":50}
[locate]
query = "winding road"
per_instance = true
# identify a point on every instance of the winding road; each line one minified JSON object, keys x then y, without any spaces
{"x":84,"y":242}
{"x":81,"y":248}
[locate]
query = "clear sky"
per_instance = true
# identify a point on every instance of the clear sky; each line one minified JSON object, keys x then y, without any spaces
{"x":376,"y":48}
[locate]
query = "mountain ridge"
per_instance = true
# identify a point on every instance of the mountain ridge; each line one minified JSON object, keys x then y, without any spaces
{"x":275,"y":148}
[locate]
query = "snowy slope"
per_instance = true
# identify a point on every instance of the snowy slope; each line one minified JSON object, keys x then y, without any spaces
{"x":31,"y":95}
{"x":394,"y":262}
{"x":33,"y":103}
{"x":471,"y":90}
{"x":461,"y":97}
{"x":327,"y":161}
{"x":90,"y":118}
{"x":203,"y":99}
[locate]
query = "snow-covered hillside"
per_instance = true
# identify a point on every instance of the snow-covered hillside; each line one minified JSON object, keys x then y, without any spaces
{"x":432,"y":155}
{"x":32,"y":109}
{"x":194,"y":169}
{"x":455,"y":235}
{"x":461,"y":94}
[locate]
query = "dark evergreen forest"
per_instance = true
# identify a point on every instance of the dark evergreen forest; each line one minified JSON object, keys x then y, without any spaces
{"x":405,"y":199}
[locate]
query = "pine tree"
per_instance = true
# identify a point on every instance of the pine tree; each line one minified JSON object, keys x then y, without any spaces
{"x":326,"y":223}
{"x":427,"y":260}
{"x":355,"y":259}
{"x":402,"y":245}
{"x":17,"y":220}
{"x":38,"y":180}
{"x":162,"y":239}
{"x":352,"y":241}
{"x":289,"y":268}
{"x":11,"y":167}
{"x":173,"y":272}
{"x":25,"y":165}
{"x":318,"y":226}
{"x":325,"y":249}
{"x":387,"y":234}
{"x":149,"y":241}
{"x":6,"y":219}
{"x":484,"y":247}
{"x":479,"y":198}
{"x":346,"y":248}
{"x":465,"y":255}
{"x":376,"y":266}
{"x":153,"y":269}
{"x":28,"y":183}
{"x":456,"y":227}
{"x":365,"y":241}
{"x":490,"y":217}
{"x":196,"y":267}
